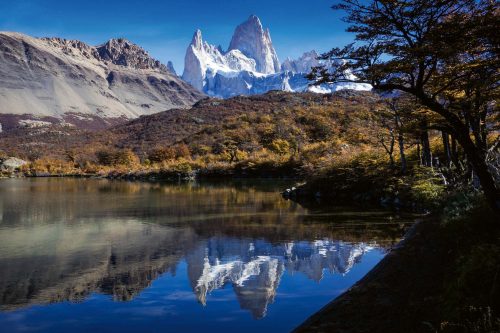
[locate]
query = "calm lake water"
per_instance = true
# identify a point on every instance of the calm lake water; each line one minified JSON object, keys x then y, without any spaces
{"x":88,"y":255}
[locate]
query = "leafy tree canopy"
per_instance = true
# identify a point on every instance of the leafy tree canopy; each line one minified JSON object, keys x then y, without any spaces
{"x":445,"y":53}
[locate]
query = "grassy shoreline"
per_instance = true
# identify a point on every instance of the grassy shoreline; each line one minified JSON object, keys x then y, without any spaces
{"x":443,"y":277}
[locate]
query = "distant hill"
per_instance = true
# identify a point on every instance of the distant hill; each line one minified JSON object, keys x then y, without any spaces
{"x":249,"y":122}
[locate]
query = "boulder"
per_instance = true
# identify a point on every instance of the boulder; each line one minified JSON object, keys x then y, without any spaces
{"x":11,"y":164}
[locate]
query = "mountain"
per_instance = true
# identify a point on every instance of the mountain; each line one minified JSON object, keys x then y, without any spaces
{"x":253,"y":41}
{"x":170,"y":67}
{"x":70,"y":80}
{"x":302,"y":64}
{"x":250,"y":66}
{"x":204,"y":61}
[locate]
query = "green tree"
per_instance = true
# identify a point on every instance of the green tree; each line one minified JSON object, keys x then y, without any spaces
{"x":442,"y":52}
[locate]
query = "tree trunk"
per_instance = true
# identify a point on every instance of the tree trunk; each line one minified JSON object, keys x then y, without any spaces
{"x":390,"y":150}
{"x":477,"y":159}
{"x":446,"y":148}
{"x":418,"y":155}
{"x":454,"y":152}
{"x":479,"y":131}
{"x":402,"y":152}
{"x":426,"y":147}
{"x":401,"y":143}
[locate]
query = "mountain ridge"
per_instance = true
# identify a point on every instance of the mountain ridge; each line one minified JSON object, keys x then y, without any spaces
{"x":56,"y":77}
{"x":251,"y":66}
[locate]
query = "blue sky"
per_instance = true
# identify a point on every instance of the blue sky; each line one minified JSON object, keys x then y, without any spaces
{"x":165,"y":28}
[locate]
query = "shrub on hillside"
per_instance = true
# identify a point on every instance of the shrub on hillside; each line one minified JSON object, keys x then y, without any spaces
{"x":124,"y":157}
{"x":182,"y":150}
{"x":280,"y":146}
{"x":161,"y":154}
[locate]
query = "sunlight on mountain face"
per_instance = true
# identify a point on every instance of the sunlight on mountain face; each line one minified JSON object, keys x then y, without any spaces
{"x":251,"y":66}
{"x":240,"y":250}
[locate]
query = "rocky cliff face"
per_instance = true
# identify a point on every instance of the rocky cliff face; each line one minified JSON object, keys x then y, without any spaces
{"x":170,"y":67}
{"x":124,"y":53}
{"x":59,"y":77}
{"x":254,"y":42}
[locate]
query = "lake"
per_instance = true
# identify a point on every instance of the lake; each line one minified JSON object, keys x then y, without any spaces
{"x":92,"y":255}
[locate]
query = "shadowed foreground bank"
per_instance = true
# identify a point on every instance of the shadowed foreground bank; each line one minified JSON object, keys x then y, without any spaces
{"x":443,"y":277}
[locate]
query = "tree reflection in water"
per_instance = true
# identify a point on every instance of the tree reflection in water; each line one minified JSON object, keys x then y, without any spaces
{"x":64,"y":239}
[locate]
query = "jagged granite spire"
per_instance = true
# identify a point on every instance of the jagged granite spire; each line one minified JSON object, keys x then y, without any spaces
{"x":250,"y":66}
{"x":197,"y":41}
{"x":255,"y":42}
{"x":194,"y":63}
{"x":171,"y":68}
{"x":203,"y":59}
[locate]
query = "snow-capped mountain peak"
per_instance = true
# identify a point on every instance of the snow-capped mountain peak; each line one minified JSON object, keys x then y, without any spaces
{"x":301,"y":65}
{"x":255,"y":42}
{"x":197,"y":41}
{"x":204,"y":61}
{"x":250,"y":66}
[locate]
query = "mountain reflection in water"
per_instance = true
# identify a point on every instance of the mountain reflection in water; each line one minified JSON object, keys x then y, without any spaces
{"x":67,"y":239}
{"x":254,"y":269}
